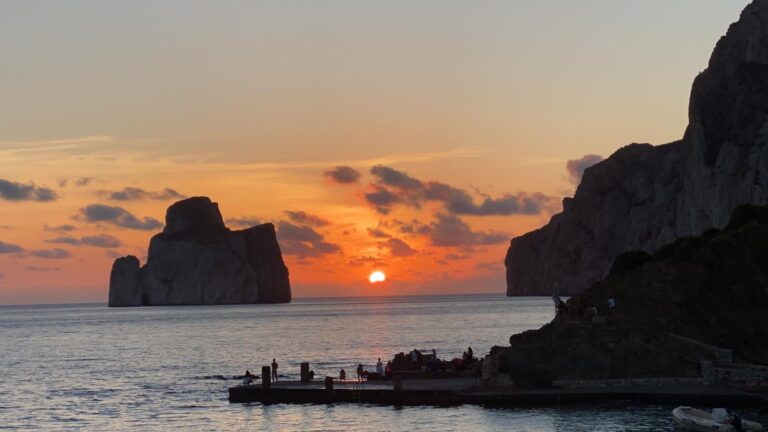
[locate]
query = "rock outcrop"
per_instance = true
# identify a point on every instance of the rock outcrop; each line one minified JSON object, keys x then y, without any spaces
{"x":691,"y":294}
{"x":643,"y":197}
{"x":197,"y":260}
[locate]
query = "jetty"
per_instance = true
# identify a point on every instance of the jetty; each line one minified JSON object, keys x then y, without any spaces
{"x":460,"y":391}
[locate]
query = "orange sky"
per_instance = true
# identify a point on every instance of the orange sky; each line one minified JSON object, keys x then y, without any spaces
{"x":456,"y":103}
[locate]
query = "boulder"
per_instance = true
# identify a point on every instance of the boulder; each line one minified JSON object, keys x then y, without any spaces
{"x":197,"y":260}
{"x":643,"y":197}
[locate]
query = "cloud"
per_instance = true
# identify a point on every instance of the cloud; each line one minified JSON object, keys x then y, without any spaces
{"x":301,"y":217}
{"x":64,"y":240}
{"x":576,"y":167}
{"x":56,"y":253}
{"x":101,"y":241}
{"x":33,"y":268}
{"x":8,"y":248}
{"x":243,"y":222}
{"x":343,"y":175}
{"x":367,"y":261}
{"x":398,"y":248}
{"x":113,"y":254}
{"x":393,"y":187}
{"x":84,"y":181}
{"x":59,"y":228}
{"x":450,"y":231}
{"x":303,"y":241}
{"x":136,"y":194}
{"x":118,"y":216}
{"x":13,"y":191}
{"x":377,"y":233}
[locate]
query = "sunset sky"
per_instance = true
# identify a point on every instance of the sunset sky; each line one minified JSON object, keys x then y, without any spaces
{"x":412,"y":137}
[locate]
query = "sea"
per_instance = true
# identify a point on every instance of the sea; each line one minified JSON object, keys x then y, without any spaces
{"x":90,"y":367}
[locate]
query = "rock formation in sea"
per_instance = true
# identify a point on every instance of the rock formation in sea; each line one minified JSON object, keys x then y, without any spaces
{"x":643,"y":197}
{"x":672,"y":309}
{"x":197,"y":260}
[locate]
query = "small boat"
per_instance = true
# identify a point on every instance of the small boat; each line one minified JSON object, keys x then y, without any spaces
{"x":718,"y":420}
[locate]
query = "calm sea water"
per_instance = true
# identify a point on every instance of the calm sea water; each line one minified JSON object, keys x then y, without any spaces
{"x":88,"y":367}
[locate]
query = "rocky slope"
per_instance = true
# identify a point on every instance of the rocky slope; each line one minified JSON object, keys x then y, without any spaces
{"x":197,"y":260}
{"x":712,"y":289}
{"x":643,"y":197}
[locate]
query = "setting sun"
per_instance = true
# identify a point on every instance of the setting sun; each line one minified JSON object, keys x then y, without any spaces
{"x":377,"y":276}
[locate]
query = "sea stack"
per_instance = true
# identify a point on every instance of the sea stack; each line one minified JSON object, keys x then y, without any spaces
{"x":197,"y":260}
{"x":643,"y":196}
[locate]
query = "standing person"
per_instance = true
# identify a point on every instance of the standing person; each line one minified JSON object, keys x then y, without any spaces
{"x":380,"y":368}
{"x":274,"y":370}
{"x":360,"y":372}
{"x":611,"y":304}
{"x":415,"y":359}
{"x":470,"y":354}
{"x":556,"y":300}
{"x":342,"y":375}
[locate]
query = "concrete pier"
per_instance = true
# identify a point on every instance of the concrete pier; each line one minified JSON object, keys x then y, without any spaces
{"x":448,"y":392}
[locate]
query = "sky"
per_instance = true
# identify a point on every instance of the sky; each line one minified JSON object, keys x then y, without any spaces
{"x":412,"y":137}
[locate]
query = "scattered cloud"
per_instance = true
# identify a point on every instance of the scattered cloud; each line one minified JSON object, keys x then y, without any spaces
{"x":97,"y":213}
{"x":367,"y":261}
{"x":393,"y":187}
{"x":56,"y":253}
{"x":64,"y":240}
{"x":490,"y":267}
{"x":450,"y":231}
{"x":343,"y":175}
{"x":301,"y":217}
{"x":13,"y":191}
{"x":136,"y":194}
{"x":101,"y":241}
{"x":378,"y":233}
{"x":398,"y":248}
{"x":33,"y":268}
{"x":576,"y":167}
{"x":59,"y":228}
{"x":9,"y":248}
{"x":303,"y":241}
{"x":84,"y":181}
{"x":113,"y":254}
{"x":243,"y":222}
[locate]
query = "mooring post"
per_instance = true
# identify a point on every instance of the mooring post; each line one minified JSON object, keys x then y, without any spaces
{"x":266,"y":377}
{"x":305,"y":372}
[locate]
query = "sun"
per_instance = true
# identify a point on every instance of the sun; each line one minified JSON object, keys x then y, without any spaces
{"x":377,"y":277}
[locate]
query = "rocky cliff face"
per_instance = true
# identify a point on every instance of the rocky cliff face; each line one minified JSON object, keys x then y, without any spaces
{"x":711,"y":289}
{"x":643,"y":197}
{"x":197,"y":260}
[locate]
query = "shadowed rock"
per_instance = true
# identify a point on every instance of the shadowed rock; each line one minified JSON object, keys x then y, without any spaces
{"x":643,"y":197}
{"x":197,"y":260}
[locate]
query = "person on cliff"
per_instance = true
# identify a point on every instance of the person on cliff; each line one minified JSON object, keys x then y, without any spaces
{"x":360,"y":372}
{"x":556,"y":300}
{"x":415,"y":359}
{"x":380,"y":368}
{"x":342,"y":375}
{"x":274,"y":370}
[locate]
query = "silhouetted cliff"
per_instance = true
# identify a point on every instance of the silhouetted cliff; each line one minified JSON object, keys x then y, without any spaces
{"x":197,"y":260}
{"x":643,"y":197}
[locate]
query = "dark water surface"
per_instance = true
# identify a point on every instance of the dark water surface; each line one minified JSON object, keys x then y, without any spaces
{"x":88,"y":367}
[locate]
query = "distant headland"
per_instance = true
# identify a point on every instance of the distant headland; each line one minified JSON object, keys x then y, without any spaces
{"x":197,"y":260}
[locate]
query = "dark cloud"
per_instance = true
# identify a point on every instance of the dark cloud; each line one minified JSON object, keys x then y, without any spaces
{"x":367,"y":261}
{"x":56,"y":253}
{"x":377,"y":233}
{"x":303,"y":241}
{"x":113,"y":254}
{"x":243,"y":222}
{"x":393,"y":187}
{"x":450,"y":231}
{"x":576,"y":167}
{"x":101,"y":241}
{"x":343,"y":175}
{"x":301,"y":217}
{"x":8,"y":248}
{"x":137,"y":194}
{"x":12,"y":191}
{"x":65,"y":240}
{"x":97,"y":213}
{"x":59,"y":228}
{"x":84,"y":181}
{"x":398,"y":248}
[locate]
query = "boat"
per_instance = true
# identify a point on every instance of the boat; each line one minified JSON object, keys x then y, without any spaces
{"x":718,"y":420}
